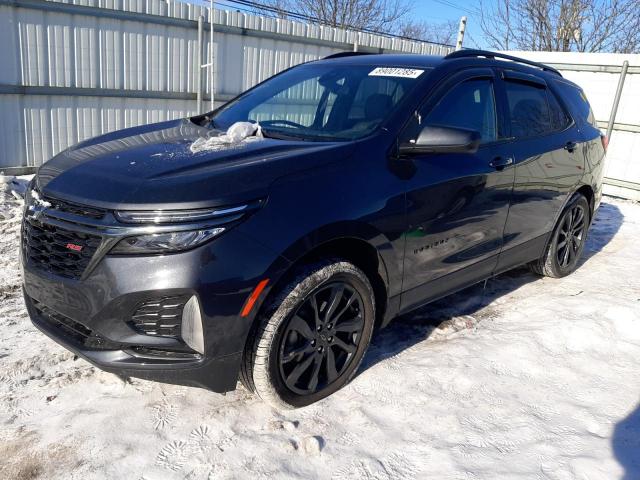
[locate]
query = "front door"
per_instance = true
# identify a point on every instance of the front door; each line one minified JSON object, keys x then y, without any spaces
{"x":457,"y":203}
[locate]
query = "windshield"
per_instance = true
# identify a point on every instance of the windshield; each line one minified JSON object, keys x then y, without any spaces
{"x":321,"y":101}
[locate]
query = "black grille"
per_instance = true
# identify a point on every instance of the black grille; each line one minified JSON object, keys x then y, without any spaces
{"x":75,"y":208}
{"x":72,"y":330}
{"x":160,"y":317}
{"x":57,"y":250}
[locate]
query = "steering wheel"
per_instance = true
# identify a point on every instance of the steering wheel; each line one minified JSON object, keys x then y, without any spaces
{"x":282,"y":122}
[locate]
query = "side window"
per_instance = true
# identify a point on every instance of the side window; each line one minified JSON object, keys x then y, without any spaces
{"x":559,"y":118}
{"x":529,"y":109}
{"x":578,"y":103}
{"x":469,"y":105}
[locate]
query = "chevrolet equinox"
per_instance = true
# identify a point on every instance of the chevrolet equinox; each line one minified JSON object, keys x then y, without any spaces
{"x":364,"y":186}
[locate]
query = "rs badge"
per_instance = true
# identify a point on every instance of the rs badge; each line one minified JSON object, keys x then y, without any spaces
{"x":74,"y":247}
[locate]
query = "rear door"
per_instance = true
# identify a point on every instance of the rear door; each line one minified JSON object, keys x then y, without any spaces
{"x":593,"y":148}
{"x":457,"y":203}
{"x":545,"y":145}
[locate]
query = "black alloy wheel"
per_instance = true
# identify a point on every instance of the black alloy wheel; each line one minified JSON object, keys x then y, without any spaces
{"x":571,"y":236}
{"x":567,"y":240}
{"x":311,"y":335}
{"x":321,"y":338}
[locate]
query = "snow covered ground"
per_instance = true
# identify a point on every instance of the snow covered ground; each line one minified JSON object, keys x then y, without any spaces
{"x":526,"y":378}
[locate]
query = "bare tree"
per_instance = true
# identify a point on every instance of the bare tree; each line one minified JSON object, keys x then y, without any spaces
{"x":444,"y":33}
{"x":563,"y":25}
{"x":278,"y":8}
{"x":380,"y":15}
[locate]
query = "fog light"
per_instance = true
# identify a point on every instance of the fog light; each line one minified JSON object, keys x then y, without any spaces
{"x":192,"y":333}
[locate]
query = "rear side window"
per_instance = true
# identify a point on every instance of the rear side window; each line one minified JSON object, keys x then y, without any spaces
{"x":578,"y":103}
{"x":469,"y":105}
{"x":529,"y":109}
{"x":559,"y":118}
{"x":534,"y":110}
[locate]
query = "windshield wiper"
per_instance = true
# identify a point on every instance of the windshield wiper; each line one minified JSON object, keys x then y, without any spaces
{"x":280,"y":135}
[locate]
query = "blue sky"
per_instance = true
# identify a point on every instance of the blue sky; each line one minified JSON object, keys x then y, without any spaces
{"x":438,"y":11}
{"x":434,"y":11}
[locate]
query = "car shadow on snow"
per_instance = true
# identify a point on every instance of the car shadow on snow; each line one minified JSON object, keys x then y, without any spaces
{"x":605,"y":226}
{"x":626,"y":444}
{"x":470,"y":306}
{"x":454,"y":312}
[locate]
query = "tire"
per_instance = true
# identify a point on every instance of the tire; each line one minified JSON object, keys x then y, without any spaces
{"x":567,"y":241}
{"x":283,"y":339}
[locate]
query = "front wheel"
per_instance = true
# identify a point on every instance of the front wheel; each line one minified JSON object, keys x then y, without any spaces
{"x":312,"y":337}
{"x":567,"y":240}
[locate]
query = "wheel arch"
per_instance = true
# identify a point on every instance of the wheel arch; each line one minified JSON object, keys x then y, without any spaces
{"x":355,"y":242}
{"x":583,"y":189}
{"x":361,"y":250}
{"x":360,"y":253}
{"x":589,"y":194}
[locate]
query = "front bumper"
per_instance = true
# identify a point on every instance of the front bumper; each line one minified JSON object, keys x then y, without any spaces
{"x":219,"y":374}
{"x":221,"y":273}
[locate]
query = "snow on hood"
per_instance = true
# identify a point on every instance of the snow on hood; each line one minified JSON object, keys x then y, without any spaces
{"x":236,"y":136}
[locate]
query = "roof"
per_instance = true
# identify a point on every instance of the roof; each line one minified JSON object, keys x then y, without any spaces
{"x":466,"y":57}
{"x":387,"y":59}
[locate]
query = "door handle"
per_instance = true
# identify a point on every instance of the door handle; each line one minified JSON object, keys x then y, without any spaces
{"x":500,"y":162}
{"x":570,"y":146}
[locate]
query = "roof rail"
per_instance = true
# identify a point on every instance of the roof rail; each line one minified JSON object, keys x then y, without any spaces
{"x":345,"y":54}
{"x":487,"y":54}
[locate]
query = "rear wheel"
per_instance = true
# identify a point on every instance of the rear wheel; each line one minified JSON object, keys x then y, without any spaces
{"x":567,"y":240}
{"x":312,"y":337}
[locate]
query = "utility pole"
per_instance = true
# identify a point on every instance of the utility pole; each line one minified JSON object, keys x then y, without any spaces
{"x":199,"y":66}
{"x":616,"y":99}
{"x":211,"y":64}
{"x":461,"y":29}
{"x":212,"y":72}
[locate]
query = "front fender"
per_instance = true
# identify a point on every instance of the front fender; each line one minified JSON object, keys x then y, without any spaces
{"x":355,"y":232}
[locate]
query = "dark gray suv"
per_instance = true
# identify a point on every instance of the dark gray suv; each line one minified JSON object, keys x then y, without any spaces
{"x":264,"y":241}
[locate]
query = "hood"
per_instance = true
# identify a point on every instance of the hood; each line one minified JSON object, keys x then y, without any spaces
{"x":152,"y":167}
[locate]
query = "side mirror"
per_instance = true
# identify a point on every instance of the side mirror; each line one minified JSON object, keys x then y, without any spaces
{"x":434,"y":139}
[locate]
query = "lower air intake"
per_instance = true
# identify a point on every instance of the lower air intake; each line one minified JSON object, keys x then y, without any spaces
{"x":160,"y":317}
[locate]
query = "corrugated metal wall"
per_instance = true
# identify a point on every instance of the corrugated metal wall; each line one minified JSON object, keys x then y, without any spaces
{"x":73,"y":69}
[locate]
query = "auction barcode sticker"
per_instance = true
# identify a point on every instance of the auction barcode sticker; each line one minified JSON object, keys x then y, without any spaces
{"x":395,"y":72}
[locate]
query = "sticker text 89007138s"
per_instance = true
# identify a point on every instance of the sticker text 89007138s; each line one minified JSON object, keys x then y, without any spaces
{"x":395,"y":72}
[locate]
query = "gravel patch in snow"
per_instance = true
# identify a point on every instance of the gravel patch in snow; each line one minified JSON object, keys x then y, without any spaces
{"x":524,"y":378}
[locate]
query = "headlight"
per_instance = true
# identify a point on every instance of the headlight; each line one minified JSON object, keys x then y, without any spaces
{"x":165,"y":242}
{"x":177,"y":216}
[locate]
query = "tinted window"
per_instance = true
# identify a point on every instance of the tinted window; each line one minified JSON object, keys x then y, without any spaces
{"x":529,"y":109}
{"x":559,"y":118}
{"x":469,"y":105}
{"x":578,"y":103}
